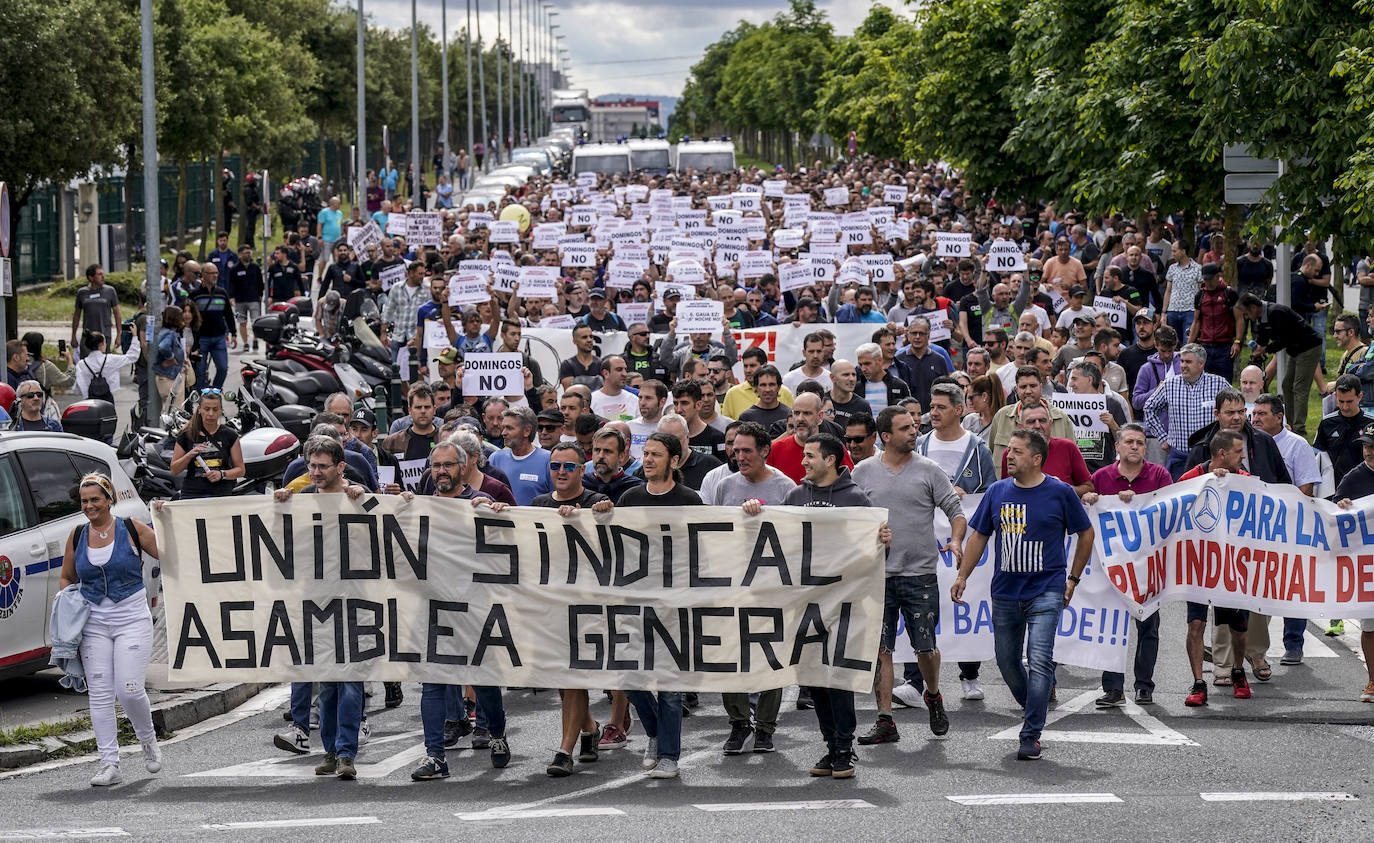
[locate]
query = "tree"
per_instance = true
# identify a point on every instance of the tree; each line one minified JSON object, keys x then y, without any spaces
{"x":869,"y":87}
{"x":698,"y":111}
{"x":70,"y":75}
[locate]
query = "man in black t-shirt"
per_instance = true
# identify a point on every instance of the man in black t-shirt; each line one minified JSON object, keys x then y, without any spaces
{"x":1358,"y":482}
{"x":768,"y":385}
{"x":844,"y":378}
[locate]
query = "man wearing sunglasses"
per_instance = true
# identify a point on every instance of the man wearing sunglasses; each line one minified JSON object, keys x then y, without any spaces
{"x":30,"y":410}
{"x":639,"y":355}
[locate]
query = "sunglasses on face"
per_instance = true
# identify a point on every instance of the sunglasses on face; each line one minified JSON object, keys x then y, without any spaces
{"x":855,"y":440}
{"x":564,"y":466}
{"x":31,"y":395}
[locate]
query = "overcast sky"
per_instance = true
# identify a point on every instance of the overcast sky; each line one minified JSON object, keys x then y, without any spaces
{"x":664,"y":38}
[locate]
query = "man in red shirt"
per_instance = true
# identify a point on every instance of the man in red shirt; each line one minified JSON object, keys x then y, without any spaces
{"x":1126,"y":477}
{"x":1228,"y":449}
{"x":1217,"y":325}
{"x":1065,"y":461}
{"x":785,"y":454}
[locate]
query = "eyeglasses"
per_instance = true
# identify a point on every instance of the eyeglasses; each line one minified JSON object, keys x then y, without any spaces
{"x":446,"y":466}
{"x":550,"y":428}
{"x":855,"y":440}
{"x":639,"y":333}
{"x":31,"y":394}
{"x":918,"y":333}
{"x":316,"y":468}
{"x":564,"y":466}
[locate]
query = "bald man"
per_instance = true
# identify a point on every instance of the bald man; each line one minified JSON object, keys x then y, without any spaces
{"x":786,"y":451}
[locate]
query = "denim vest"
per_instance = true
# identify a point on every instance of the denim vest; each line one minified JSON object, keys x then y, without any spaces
{"x":170,"y":354}
{"x":118,"y":579}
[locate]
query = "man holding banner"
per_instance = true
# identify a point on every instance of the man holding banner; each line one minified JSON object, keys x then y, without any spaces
{"x":1032,"y":581}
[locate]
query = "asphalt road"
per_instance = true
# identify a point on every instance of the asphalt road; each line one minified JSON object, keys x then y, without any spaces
{"x":1292,"y":763}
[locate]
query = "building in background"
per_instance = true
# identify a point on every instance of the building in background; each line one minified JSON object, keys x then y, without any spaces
{"x":612,"y":119}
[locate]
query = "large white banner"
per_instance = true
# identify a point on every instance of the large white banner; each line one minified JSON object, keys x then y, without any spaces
{"x":1235,"y":541}
{"x":323,"y":588}
{"x":1092,"y":629}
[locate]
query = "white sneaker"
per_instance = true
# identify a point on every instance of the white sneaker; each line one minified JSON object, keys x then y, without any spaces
{"x":108,"y":775}
{"x":972,"y":689}
{"x":292,"y":740}
{"x":907,"y":695}
{"x":152,"y":756}
{"x":364,"y":734}
{"x":650,"y":754}
{"x":665,"y":768}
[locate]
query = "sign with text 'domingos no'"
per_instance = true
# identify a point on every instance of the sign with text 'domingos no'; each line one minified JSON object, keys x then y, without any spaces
{"x":322,"y":588}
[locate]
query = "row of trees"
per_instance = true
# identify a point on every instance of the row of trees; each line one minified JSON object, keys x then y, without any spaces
{"x":1104,"y":105}
{"x":257,"y":77}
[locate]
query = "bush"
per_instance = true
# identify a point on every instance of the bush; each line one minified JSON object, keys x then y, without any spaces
{"x":129,"y":286}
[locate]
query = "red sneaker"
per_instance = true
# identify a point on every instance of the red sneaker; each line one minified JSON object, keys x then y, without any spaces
{"x":1240,"y":686}
{"x":1198,"y":696}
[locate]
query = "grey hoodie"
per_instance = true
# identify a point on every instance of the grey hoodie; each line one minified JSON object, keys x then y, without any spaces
{"x":911,"y":497}
{"x":843,"y":492}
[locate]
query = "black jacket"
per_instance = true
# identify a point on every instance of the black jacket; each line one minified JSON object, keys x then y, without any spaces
{"x":1280,"y":328}
{"x":1261,"y":451}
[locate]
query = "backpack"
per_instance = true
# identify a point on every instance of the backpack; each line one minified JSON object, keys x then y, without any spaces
{"x":99,"y":388}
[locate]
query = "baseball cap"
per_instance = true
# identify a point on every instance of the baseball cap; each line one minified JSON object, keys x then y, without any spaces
{"x":1083,"y":318}
{"x":672,"y":293}
{"x":1142,"y":316}
{"x":364,"y":416}
{"x":597,"y":293}
{"x":1211,"y":270}
{"x":1367,"y":434}
{"x":449,"y":356}
{"x":1076,"y":290}
{"x":553,"y":416}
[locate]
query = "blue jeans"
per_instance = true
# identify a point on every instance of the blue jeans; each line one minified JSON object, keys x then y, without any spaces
{"x":1219,"y":361}
{"x":1181,"y":321}
{"x":439,"y":703}
{"x":301,"y":694}
{"x":1028,"y":626}
{"x":661,"y":716}
{"x":1293,"y":631}
{"x":341,"y":714}
{"x":835,"y":713}
{"x":1146,"y":654}
{"x":1317,"y":319}
{"x":1177,"y":463}
{"x":215,"y":348}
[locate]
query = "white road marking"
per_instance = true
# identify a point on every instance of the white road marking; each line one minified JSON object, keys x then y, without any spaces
{"x":267,"y":700}
{"x":1034,"y":798}
{"x":809,"y":805}
{"x":304,"y":822}
{"x":1280,"y":796}
{"x":1154,"y":733}
{"x":537,"y":813}
{"x":303,"y":766}
{"x":1313,"y":647}
{"x":613,"y":784}
{"x":61,"y":833}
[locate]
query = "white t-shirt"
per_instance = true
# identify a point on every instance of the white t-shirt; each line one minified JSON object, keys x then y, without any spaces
{"x":1068,"y":314}
{"x":796,"y":376}
{"x":948,"y":455}
{"x":1007,"y":372}
{"x":621,"y":407}
{"x":640,"y":430}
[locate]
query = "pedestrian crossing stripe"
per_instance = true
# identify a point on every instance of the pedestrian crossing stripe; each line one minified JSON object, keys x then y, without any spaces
{"x":1153,"y":731}
{"x":303,"y":766}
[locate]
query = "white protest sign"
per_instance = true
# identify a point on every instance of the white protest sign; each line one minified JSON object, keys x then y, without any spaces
{"x":392,"y":275}
{"x":398,"y":225}
{"x":1084,"y":411}
{"x":436,"y":335}
{"x":504,"y":231}
{"x":411,"y":471}
{"x":425,"y":229}
{"x":386,"y":475}
{"x":691,"y":221}
{"x":562,"y":193}
{"x":939,"y":324}
{"x":951,"y":244}
{"x":822,"y":268}
{"x":582,"y":255}
{"x":582,"y":216}
{"x":586,"y":179}
{"x":747,"y":201}
{"x":504,"y":276}
{"x":562,"y":321}
{"x":788,"y":238}
{"x":467,"y":289}
{"x":774,"y":188}
{"x":894,"y":194}
{"x":539,"y":282}
{"x":794,"y":276}
{"x":699,"y":316}
{"x":1005,"y":256}
{"x":1113,"y":308}
{"x":360,"y":237}
{"x":633,"y":311}
{"x":622,"y":274}
{"x":493,"y":374}
{"x":856,"y":233}
{"x":718,"y":203}
{"x":836,"y":196}
{"x":546,"y":235}
{"x":479,"y":220}
{"x":475,"y":267}
{"x":687,"y":271}
{"x":755,"y":265}
{"x":879,"y":267}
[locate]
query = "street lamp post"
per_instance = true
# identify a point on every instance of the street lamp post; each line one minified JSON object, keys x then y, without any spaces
{"x":500,"y":118}
{"x":443,"y":77}
{"x":152,"y":237}
{"x":361,"y":174}
{"x":415,"y":166}
{"x":482,"y":88}
{"x":467,"y":39}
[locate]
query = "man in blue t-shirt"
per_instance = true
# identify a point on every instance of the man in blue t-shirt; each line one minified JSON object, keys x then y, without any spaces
{"x":1031,"y":582}
{"x":526,"y":464}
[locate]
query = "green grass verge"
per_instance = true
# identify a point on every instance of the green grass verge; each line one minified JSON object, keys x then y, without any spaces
{"x":31,"y":734}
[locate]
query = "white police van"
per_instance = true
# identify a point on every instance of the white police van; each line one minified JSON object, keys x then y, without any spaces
{"x":605,"y":159}
{"x":39,"y":508}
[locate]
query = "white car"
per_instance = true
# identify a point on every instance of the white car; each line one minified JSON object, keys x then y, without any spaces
{"x":39,"y":508}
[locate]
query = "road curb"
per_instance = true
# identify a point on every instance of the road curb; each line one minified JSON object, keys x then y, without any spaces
{"x":179,"y":712}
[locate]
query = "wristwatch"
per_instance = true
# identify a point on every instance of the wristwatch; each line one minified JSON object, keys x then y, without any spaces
{"x":1075,"y":580}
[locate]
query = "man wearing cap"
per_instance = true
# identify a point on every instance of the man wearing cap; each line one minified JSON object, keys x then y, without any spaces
{"x":1083,"y":326}
{"x":600,"y":317}
{"x":658,"y":323}
{"x":362,"y":428}
{"x":1075,"y":309}
{"x":551,"y":428}
{"x":1133,"y":356}
{"x":1217,"y":323}
{"x":446,"y":366}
